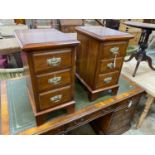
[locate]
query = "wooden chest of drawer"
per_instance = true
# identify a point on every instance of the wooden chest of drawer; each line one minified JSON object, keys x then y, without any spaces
{"x":49,"y":62}
{"x":100,"y":54}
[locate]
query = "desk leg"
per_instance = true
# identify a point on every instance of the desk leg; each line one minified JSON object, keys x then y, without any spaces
{"x":146,"y":109}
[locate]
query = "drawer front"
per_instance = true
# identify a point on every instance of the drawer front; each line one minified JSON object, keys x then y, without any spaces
{"x":87,"y":118}
{"x":111,"y":65}
{"x":53,"y":80}
{"x":106,"y":80}
{"x":56,"y":97}
{"x":129,"y":103}
{"x":52,"y":60}
{"x":112,"y":50}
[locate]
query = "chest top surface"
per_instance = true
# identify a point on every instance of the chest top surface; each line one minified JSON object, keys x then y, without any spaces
{"x":103,"y":33}
{"x":43,"y":38}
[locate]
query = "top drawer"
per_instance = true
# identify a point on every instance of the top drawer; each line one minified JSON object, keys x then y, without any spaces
{"x":52,"y":60}
{"x":110,"y":50}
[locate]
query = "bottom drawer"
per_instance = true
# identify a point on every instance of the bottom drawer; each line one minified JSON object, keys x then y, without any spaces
{"x":106,"y":80}
{"x":53,"y":98}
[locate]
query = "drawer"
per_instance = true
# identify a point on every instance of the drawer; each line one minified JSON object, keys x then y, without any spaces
{"x":87,"y":118}
{"x":110,"y":50}
{"x":53,"y":98}
{"x":105,"y":80}
{"x":52,"y":60}
{"x":111,"y":65}
{"x":53,"y":80}
{"x":129,"y":103}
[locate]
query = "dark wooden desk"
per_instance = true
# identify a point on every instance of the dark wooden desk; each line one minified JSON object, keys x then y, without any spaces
{"x":16,"y":115}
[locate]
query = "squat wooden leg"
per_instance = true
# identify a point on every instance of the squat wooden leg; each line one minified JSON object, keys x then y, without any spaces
{"x":92,"y":97}
{"x":40,"y":119}
{"x":146,"y":109}
{"x":115,"y":90}
{"x":70,"y":109}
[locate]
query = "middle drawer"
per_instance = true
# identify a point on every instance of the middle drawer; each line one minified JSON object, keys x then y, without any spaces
{"x":111,"y":65}
{"x":53,"y":80}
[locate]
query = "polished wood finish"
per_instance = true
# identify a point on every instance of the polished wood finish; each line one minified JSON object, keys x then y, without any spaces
{"x":63,"y":124}
{"x":45,"y":98}
{"x":101,"y":80}
{"x":43,"y":80}
{"x":104,"y":65}
{"x":43,"y":39}
{"x":103,"y":33}
{"x":40,"y":60}
{"x":106,"y":49}
{"x":49,"y":62}
{"x":99,"y":55}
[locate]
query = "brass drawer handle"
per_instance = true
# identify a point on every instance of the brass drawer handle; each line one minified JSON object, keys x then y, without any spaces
{"x":107,"y":80}
{"x":55,"y":80}
{"x":111,"y":65}
{"x":115,"y":50}
{"x":56,"y":98}
{"x":54,"y":61}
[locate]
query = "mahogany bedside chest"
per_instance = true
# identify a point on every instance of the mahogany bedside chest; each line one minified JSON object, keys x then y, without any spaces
{"x":49,"y":61}
{"x":100,"y":57}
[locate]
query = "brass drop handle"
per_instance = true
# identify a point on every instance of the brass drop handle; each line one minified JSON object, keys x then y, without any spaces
{"x":56,"y":98}
{"x":130,"y":103}
{"x":54,"y":61}
{"x":55,"y":80}
{"x":114,"y":50}
{"x":107,"y":80}
{"x":110,"y":65}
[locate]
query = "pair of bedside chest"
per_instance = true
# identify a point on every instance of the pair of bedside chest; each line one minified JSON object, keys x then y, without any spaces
{"x":49,"y":61}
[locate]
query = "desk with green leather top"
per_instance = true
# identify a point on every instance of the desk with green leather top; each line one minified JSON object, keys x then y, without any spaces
{"x":16,"y":116}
